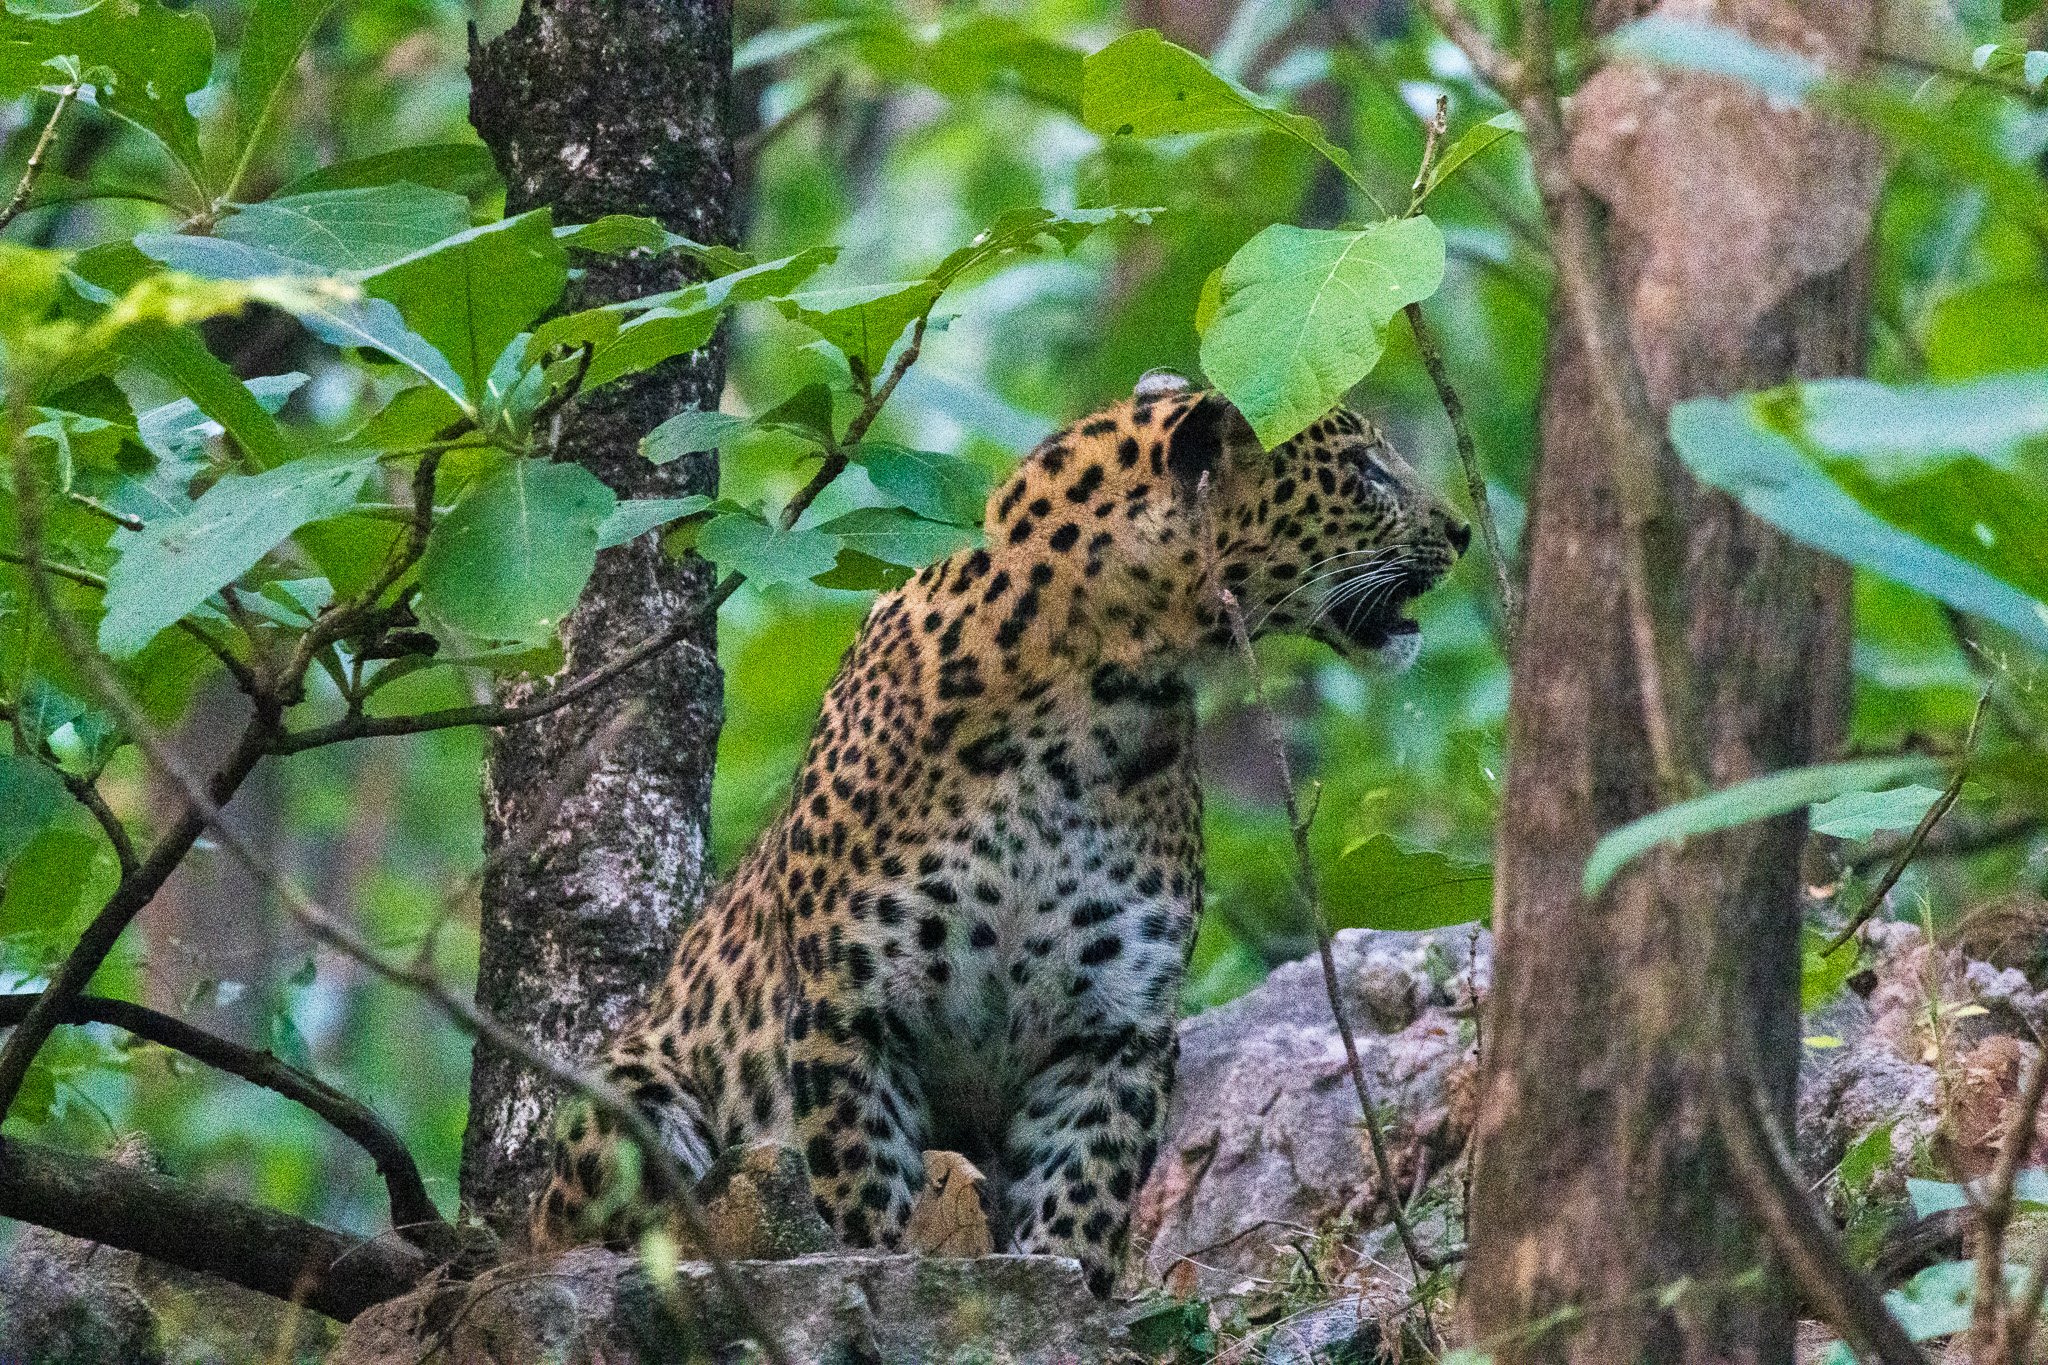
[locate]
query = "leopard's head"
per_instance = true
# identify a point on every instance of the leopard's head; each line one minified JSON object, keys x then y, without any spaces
{"x":1329,"y":534}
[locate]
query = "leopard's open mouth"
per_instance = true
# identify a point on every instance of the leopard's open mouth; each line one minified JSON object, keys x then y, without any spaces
{"x":1377,"y":622}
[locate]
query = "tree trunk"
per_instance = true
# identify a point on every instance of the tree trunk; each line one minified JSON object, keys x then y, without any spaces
{"x":1604,"y":1226}
{"x":599,"y":107}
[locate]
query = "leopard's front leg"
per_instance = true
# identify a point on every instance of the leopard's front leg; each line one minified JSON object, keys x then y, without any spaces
{"x":860,"y":1117}
{"x":1084,"y":1142}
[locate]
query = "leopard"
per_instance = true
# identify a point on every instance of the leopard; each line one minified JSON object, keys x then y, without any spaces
{"x":970,"y":926}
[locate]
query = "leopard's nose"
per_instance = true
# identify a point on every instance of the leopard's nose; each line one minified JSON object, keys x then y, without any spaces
{"x":1459,"y":533}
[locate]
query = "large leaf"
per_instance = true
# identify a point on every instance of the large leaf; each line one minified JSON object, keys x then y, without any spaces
{"x":931,"y":484}
{"x":463,"y":168}
{"x":510,"y":559}
{"x":1758,"y":799}
{"x":632,"y":519}
{"x":1858,"y":815}
{"x":689,"y":432}
{"x":172,"y":566}
{"x":277,"y":32}
{"x":765,"y":554}
{"x":338,"y":231}
{"x":1727,"y":443}
{"x":470,"y":295}
{"x":896,"y":537}
{"x":1143,"y":86}
{"x":1988,"y":417}
{"x":1378,"y":883}
{"x":1304,"y":315}
{"x":143,"y":59}
{"x":31,"y":798}
{"x":863,"y":320}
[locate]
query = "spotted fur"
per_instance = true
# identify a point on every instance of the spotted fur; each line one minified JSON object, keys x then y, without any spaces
{"x":968,"y":929}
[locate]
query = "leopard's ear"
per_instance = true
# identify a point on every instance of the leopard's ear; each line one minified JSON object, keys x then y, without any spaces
{"x":1204,"y":439}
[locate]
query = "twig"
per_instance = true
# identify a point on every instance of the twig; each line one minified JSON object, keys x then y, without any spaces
{"x":134,"y":891}
{"x":1992,"y":1324}
{"x":747,"y":150}
{"x":836,"y":459}
{"x":1957,"y":843}
{"x":1967,"y":75}
{"x":1770,"y":1186}
{"x":413,"y":1214}
{"x":1305,"y":879}
{"x":1495,"y":67}
{"x":1454,"y":407}
{"x":203,"y":808}
{"x":35,"y":158}
{"x":85,"y":578}
{"x":1875,"y":900}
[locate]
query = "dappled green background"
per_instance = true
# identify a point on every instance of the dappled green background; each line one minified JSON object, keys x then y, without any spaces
{"x":907,"y":144}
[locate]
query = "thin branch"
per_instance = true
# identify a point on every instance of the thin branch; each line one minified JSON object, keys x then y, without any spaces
{"x":1454,"y":407}
{"x":1770,"y":1186}
{"x":1992,"y":1323}
{"x":35,"y":158}
{"x":836,"y":459}
{"x":1875,"y":900}
{"x":85,"y":578}
{"x":1957,"y":843}
{"x":134,"y":891}
{"x":178,"y":1224}
{"x":1311,"y":893}
{"x":747,"y":150}
{"x":1494,"y":66}
{"x":413,"y":1215}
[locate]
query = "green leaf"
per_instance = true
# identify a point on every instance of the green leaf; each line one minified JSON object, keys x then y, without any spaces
{"x":177,"y":431}
{"x":1937,"y":1301}
{"x":277,"y":32}
{"x":1143,"y":86}
{"x":143,"y":59}
{"x":2012,"y":11}
{"x":942,"y":487}
{"x":765,"y":554}
{"x":896,"y":537}
{"x":806,"y":413}
{"x":858,"y":572}
{"x":31,"y":798}
{"x":509,"y":561}
{"x":1822,"y":974}
{"x":1757,"y":799}
{"x":1379,"y":883}
{"x":1305,"y":312}
{"x":772,"y":45}
{"x":1474,"y":140}
{"x":463,"y":168}
{"x":1858,"y":815}
{"x":617,"y":233}
{"x":472,"y":294}
{"x":339,"y":231}
{"x":632,"y":519}
{"x":170,"y":567}
{"x":1727,"y":444}
{"x":865,"y":320}
{"x":1988,"y":417}
{"x":1989,"y":328}
{"x":689,"y":432}
{"x":977,"y":52}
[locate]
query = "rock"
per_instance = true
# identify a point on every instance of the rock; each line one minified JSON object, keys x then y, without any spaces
{"x":592,"y":1305}
{"x":1264,"y":1143}
{"x":758,"y":1207}
{"x":71,"y":1302}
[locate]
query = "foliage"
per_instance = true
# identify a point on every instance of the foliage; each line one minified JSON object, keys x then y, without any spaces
{"x":265,"y":280}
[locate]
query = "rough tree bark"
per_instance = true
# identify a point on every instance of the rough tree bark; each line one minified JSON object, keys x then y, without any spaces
{"x":1736,"y":233}
{"x":598,"y":107}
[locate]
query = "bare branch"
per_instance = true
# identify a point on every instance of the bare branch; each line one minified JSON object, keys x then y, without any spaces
{"x":1495,"y":67}
{"x":1875,"y":900}
{"x":1992,"y":1321}
{"x":19,"y":201}
{"x":413,"y":1215}
{"x":173,"y":1222}
{"x":1311,"y":893}
{"x":1770,"y":1186}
